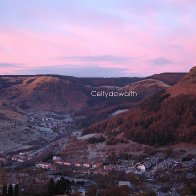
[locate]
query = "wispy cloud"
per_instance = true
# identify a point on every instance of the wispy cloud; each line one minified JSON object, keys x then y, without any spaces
{"x":101,"y":58}
{"x":8,"y":65}
{"x":160,"y":61}
{"x":78,"y":71}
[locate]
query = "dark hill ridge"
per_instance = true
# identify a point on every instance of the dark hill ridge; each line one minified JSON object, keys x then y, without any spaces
{"x":186,"y":85}
{"x":71,"y":94}
{"x":43,"y":93}
{"x":168,"y":78}
{"x":99,"y":107}
{"x":55,"y":92}
{"x":92,"y":81}
{"x":165,"y":118}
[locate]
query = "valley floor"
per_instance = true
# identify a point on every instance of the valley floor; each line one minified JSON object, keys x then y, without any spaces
{"x":43,"y":145}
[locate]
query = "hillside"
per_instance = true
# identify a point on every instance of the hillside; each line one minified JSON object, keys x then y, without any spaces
{"x":43,"y":93}
{"x":100,"y":107}
{"x":145,"y":87}
{"x":167,"y":117}
{"x":70,"y":94}
{"x":168,"y":78}
{"x":20,"y":95}
{"x":186,"y":85}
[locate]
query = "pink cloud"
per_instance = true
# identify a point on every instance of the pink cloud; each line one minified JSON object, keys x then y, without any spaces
{"x":139,"y":42}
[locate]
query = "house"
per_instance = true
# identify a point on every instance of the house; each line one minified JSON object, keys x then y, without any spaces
{"x":86,"y":165}
{"x":77,"y":165}
{"x":124,"y":183}
{"x":67,"y":163}
{"x":141,"y":167}
{"x":43,"y":165}
{"x":96,"y":164}
{"x":56,"y":158}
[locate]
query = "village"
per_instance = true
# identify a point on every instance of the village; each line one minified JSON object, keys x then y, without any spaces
{"x":81,"y":174}
{"x":50,"y":122}
{"x":41,"y":161}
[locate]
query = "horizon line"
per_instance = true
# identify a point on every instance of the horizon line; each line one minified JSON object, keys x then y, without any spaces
{"x":31,"y":75}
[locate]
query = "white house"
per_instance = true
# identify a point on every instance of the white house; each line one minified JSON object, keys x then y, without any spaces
{"x":124,"y":183}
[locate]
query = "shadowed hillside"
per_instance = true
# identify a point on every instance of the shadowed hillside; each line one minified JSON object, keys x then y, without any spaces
{"x":70,"y":94}
{"x":167,"y":117}
{"x":169,"y":78}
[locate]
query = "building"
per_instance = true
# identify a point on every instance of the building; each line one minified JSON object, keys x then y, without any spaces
{"x":124,"y":183}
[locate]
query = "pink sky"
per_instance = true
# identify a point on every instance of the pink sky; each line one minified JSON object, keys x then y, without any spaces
{"x":97,"y":37}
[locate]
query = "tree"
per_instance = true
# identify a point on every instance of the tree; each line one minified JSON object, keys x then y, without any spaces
{"x":10,"y":190}
{"x":62,"y":186}
{"x":116,"y":191}
{"x":57,"y":187}
{"x":92,"y":190}
{"x":67,"y":186}
{"x":51,"y":187}
{"x":4,"y":191}
{"x":16,"y":190}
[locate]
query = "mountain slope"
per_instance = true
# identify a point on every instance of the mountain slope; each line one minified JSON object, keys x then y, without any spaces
{"x":187,"y":85}
{"x":69,"y":94}
{"x":146,"y":87}
{"x":165,"y":118}
{"x":44,"y":93}
{"x":100,"y":108}
{"x":168,"y":78}
{"x":63,"y":94}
